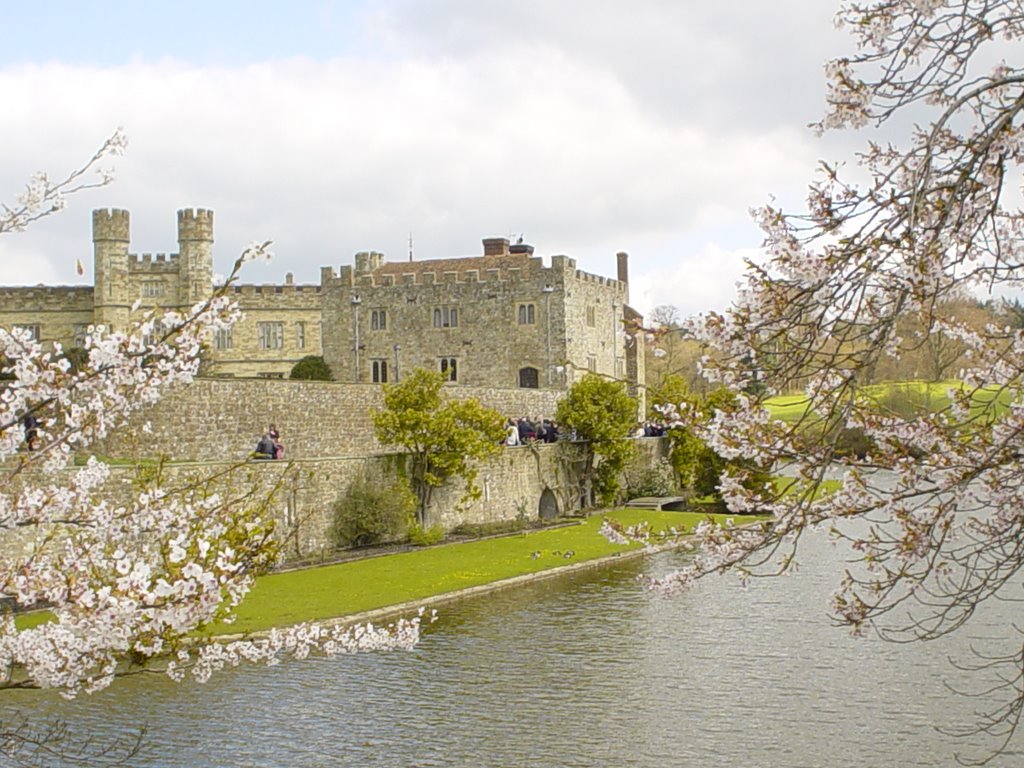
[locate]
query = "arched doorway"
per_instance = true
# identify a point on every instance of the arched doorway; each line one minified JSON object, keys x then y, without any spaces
{"x":548,"y":507}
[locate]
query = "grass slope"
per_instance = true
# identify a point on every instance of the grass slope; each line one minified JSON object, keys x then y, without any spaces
{"x":331,"y":591}
{"x":904,"y":397}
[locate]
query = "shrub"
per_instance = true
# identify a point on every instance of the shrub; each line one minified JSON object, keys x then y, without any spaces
{"x":373,"y":512}
{"x":424,"y":537}
{"x":656,"y":480}
{"x":312,"y":368}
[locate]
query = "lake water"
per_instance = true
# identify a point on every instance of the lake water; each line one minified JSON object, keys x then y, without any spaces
{"x":579,"y":670}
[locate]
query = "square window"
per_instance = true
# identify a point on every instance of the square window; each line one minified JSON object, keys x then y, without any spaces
{"x":446,"y":317}
{"x":271,"y":335}
{"x":222,"y":338}
{"x":32,"y":329}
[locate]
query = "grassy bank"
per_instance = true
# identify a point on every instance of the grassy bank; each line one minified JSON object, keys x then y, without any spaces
{"x":342,"y":589}
{"x":900,"y":397}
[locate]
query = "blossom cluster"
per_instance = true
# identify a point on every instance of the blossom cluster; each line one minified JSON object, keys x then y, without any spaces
{"x":122,"y":579}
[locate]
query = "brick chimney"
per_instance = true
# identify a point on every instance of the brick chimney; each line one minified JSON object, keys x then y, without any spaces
{"x":623,"y":263}
{"x":495,"y":246}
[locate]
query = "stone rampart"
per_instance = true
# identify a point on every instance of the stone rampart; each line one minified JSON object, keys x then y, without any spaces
{"x":525,"y":482}
{"x":215,"y":419}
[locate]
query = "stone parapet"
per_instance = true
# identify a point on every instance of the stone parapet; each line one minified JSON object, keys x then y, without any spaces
{"x":214,"y":419}
{"x":525,"y":482}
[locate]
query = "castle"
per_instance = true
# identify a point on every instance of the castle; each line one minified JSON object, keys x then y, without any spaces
{"x":501,"y":319}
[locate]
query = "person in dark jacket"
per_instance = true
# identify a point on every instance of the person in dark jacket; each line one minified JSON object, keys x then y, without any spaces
{"x":265,"y":448}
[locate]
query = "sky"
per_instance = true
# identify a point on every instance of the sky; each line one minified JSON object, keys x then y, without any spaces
{"x":587,"y":127}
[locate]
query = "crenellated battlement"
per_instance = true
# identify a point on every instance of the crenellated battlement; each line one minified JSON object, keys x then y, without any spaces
{"x":195,"y":224}
{"x":110,"y":224}
{"x":273,"y":289}
{"x":609,"y":282}
{"x":440,"y":271}
{"x":140,"y":262}
{"x":48,"y":298}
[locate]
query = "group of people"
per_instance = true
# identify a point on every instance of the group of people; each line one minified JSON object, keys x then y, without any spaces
{"x":651,"y":429}
{"x":269,"y":446}
{"x":523,"y":431}
{"x":517,"y":432}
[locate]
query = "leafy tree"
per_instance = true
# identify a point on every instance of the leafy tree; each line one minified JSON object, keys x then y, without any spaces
{"x":671,"y":392}
{"x":444,"y":437}
{"x":698,"y":467}
{"x":931,"y":217}
{"x":603,"y":414}
{"x":372,"y":512}
{"x":312,"y":368}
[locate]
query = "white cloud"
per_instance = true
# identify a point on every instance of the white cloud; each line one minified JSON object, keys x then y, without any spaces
{"x":474,"y":121}
{"x":701,"y":281}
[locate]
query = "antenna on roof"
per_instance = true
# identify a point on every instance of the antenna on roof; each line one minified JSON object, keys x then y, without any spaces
{"x":410,"y":246}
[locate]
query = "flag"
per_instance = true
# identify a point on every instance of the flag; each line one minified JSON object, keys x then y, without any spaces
{"x":78,"y":267}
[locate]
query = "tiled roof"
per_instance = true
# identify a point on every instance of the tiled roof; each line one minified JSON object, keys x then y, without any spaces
{"x":513,"y":260}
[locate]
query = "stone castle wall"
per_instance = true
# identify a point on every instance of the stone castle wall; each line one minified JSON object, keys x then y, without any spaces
{"x":298,"y":310}
{"x":516,"y":484}
{"x":502,"y":319}
{"x":513,"y":314}
{"x":217,"y":419}
{"x":56,"y":312}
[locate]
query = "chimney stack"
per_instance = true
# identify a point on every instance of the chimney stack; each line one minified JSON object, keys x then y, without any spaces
{"x":495,"y":246}
{"x":623,"y":263}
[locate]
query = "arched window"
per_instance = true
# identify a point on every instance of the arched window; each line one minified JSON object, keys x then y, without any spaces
{"x":449,"y":367}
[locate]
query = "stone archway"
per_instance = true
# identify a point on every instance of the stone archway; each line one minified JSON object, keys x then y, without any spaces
{"x":548,"y":506}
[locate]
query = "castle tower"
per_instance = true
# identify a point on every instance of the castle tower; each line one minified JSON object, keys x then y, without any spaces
{"x":111,"y":294}
{"x":195,"y":254}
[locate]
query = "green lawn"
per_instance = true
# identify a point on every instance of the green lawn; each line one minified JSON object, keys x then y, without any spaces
{"x":903,"y":397}
{"x":330,"y":591}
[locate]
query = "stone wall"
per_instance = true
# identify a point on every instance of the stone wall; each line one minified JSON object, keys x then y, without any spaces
{"x":519,"y":483}
{"x":296,"y":309}
{"x":502,"y":319}
{"x":222,"y":419}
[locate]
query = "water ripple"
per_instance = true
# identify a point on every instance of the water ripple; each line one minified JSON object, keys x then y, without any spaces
{"x":583,"y":671}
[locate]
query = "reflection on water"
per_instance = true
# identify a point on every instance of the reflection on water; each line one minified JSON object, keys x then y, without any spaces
{"x":581,"y":670}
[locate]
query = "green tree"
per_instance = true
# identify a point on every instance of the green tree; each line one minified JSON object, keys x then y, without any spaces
{"x":445,"y":438}
{"x":604,"y":415}
{"x":373,"y":512}
{"x":313,"y":368}
{"x":698,"y":467}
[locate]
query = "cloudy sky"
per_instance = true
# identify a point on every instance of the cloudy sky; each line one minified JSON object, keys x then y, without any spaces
{"x":586,"y":126}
